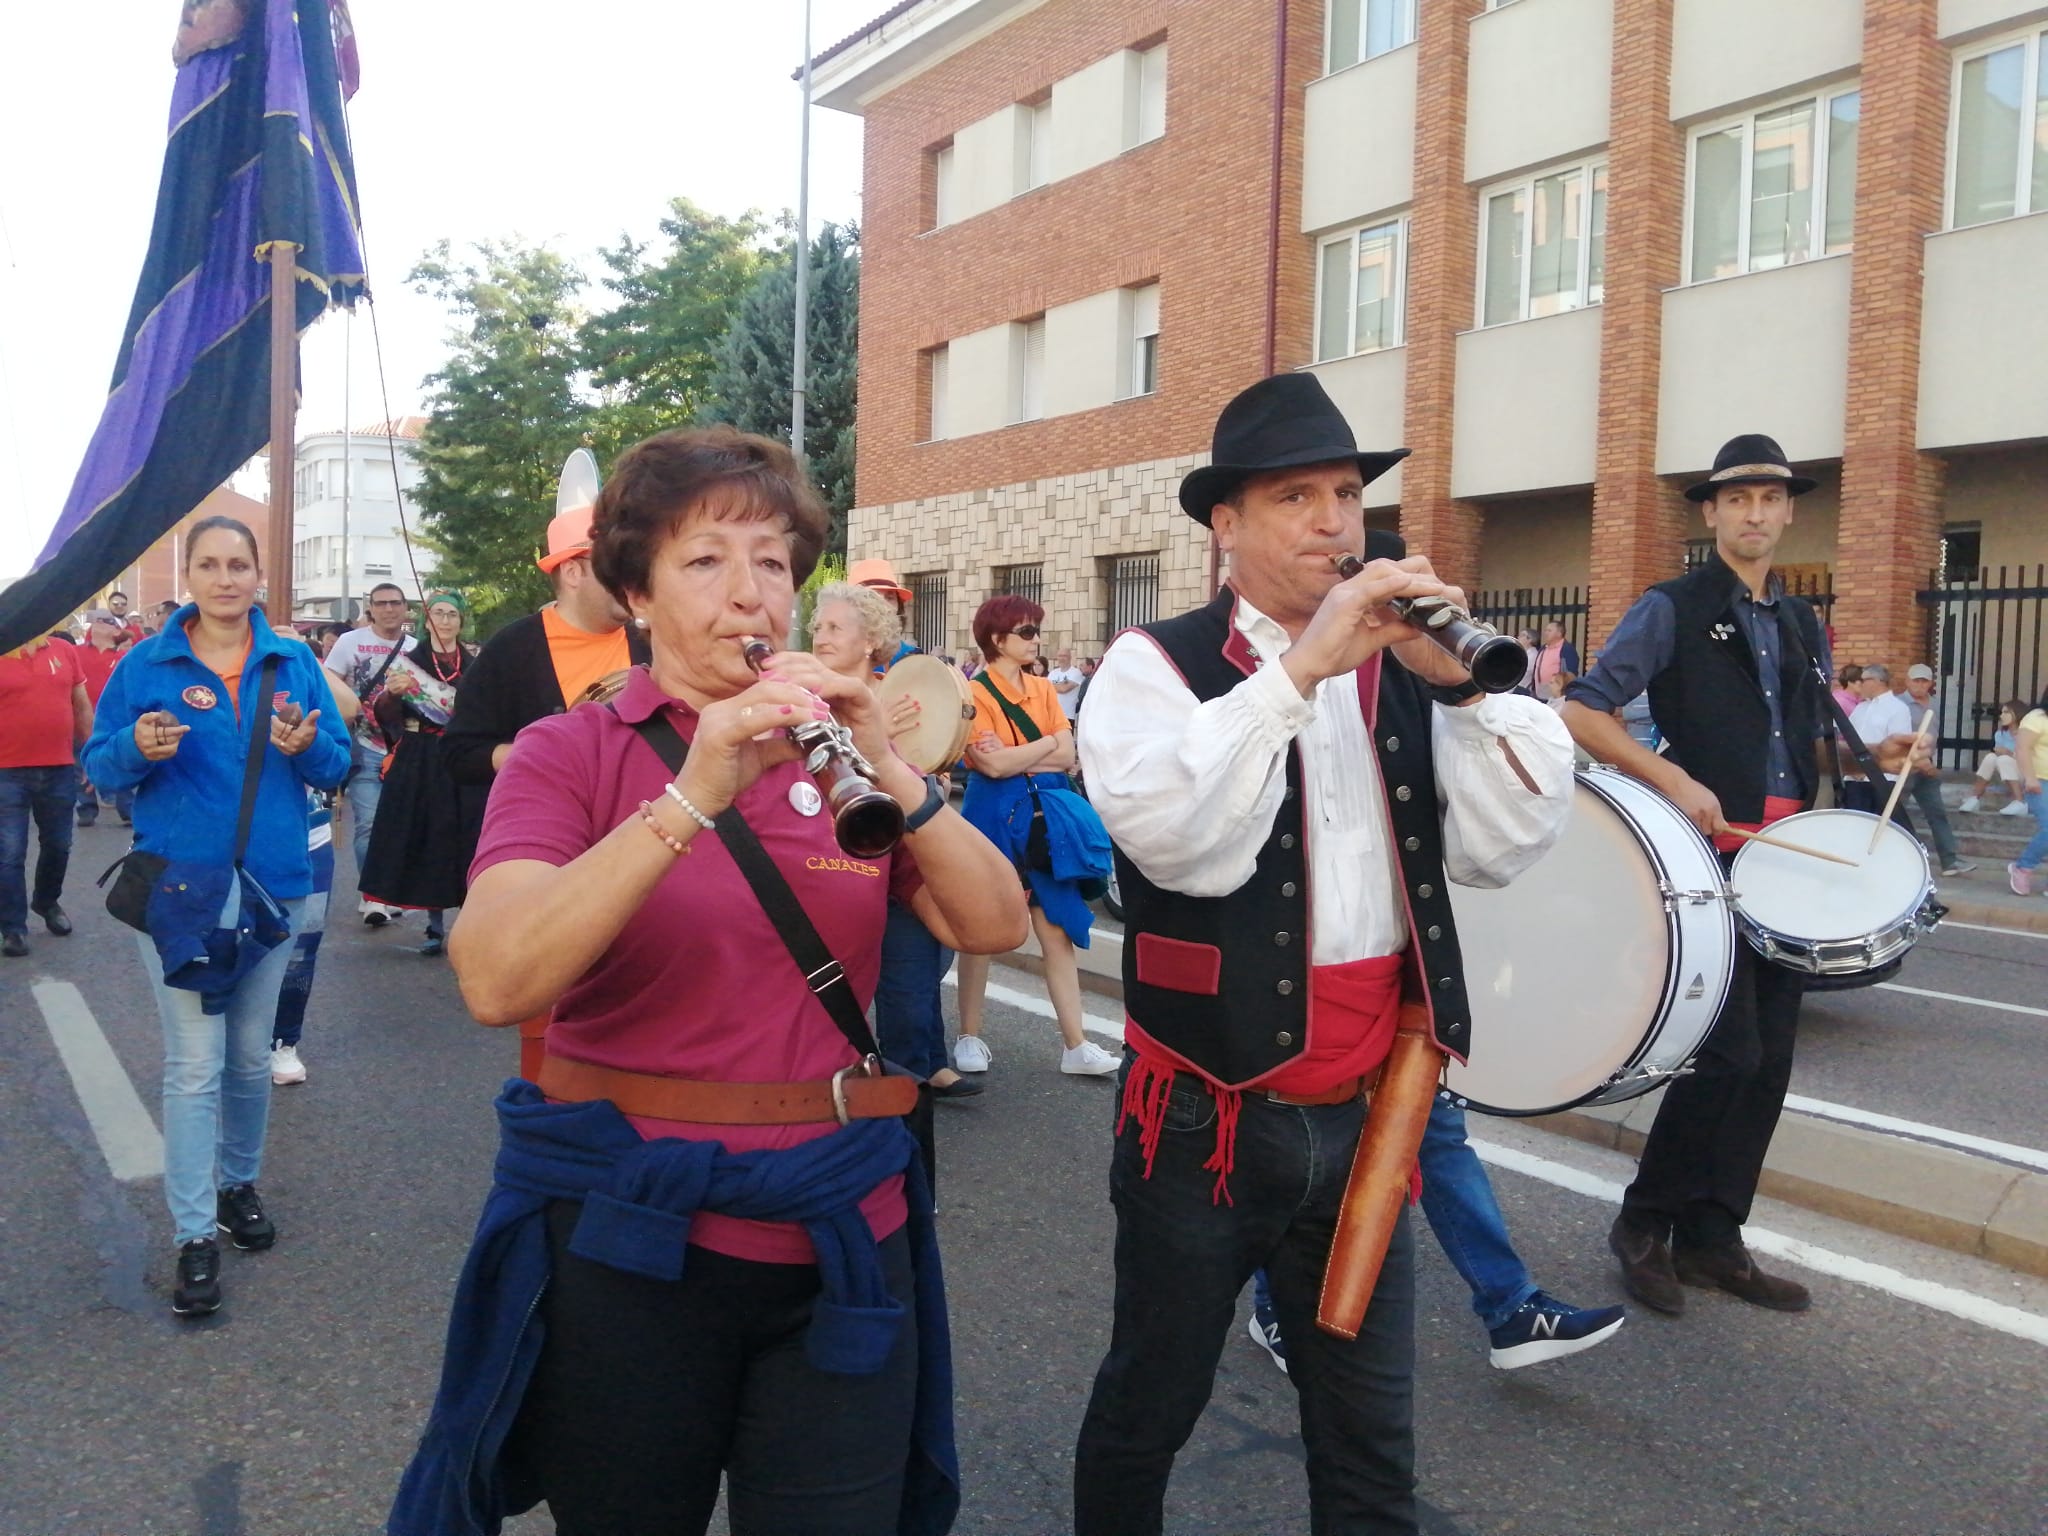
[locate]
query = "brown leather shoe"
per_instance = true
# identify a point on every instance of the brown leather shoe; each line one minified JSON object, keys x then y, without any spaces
{"x":1734,"y":1271}
{"x":1646,"y":1271}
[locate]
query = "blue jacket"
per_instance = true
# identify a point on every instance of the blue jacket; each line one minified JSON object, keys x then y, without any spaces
{"x":638,"y":1197}
{"x":1000,"y":809}
{"x":185,"y":805}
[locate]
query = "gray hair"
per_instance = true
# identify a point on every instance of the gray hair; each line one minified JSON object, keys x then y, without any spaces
{"x":1877,"y":670}
{"x":877,"y":616}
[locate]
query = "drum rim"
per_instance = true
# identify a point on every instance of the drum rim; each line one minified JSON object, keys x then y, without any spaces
{"x":963,"y":730}
{"x":1899,"y":936}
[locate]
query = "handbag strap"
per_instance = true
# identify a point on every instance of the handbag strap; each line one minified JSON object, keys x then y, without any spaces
{"x":823,"y":974}
{"x":1024,"y":725}
{"x":1834,"y":716}
{"x":252,"y":767}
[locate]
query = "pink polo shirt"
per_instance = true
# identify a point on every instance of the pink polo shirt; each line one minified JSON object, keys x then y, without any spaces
{"x":698,"y":984}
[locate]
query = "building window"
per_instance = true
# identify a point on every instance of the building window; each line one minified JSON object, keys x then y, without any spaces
{"x":1543,"y":245}
{"x":1133,"y":591}
{"x":1365,"y":29}
{"x":944,"y":192}
{"x":1359,"y":290}
{"x":1146,"y":119}
{"x":1025,"y":581}
{"x":1774,"y":187}
{"x":935,"y":375}
{"x":928,"y":612}
{"x":1962,"y":552}
{"x":2000,"y":167}
{"x":1027,"y":363}
{"x":1140,"y":373}
{"x":1036,"y":159}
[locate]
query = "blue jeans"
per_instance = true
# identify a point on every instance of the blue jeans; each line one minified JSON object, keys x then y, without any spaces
{"x":365,"y":789}
{"x":2037,"y":848}
{"x":910,"y":1021}
{"x":47,"y":795}
{"x":1457,"y":1197}
{"x":297,"y":985}
{"x":216,"y":1105}
{"x":89,"y":802}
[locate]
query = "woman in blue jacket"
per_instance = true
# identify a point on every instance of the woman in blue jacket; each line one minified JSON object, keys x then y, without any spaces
{"x":171,"y":725}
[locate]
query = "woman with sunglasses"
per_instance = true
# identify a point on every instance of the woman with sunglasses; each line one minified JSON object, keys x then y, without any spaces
{"x":1022,"y":742}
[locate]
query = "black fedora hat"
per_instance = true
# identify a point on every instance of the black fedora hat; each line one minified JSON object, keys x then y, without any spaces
{"x":1278,"y":423}
{"x":1751,"y":459}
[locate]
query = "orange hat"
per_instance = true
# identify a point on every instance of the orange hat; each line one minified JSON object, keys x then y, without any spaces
{"x":568,"y":537}
{"x":880,"y":575}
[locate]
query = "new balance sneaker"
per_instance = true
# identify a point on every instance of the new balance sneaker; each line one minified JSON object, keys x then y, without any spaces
{"x":970,"y":1055}
{"x":2021,"y":881}
{"x":1547,"y":1329}
{"x":1087,"y":1060}
{"x":198,"y":1289}
{"x":285,"y":1066}
{"x":2013,"y":808}
{"x":239,"y":1213}
{"x":1265,"y":1331}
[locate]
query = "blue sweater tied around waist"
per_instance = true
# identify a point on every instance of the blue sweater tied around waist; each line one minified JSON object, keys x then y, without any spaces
{"x":638,"y":1197}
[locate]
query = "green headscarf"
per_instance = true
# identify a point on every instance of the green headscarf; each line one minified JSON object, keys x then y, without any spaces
{"x":452,"y":599}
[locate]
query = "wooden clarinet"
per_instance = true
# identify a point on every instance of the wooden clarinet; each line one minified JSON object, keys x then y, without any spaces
{"x":867,"y":821}
{"x":1496,"y":661}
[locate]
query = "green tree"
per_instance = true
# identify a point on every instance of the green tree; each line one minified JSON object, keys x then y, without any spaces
{"x":504,"y":413}
{"x":751,"y":386}
{"x":651,"y":355}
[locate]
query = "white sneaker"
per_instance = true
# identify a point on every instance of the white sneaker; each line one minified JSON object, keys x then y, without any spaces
{"x":970,"y":1055}
{"x":1970,"y":803}
{"x":373,"y":913}
{"x":285,"y":1066}
{"x":1088,"y":1060}
{"x":2016,"y":808}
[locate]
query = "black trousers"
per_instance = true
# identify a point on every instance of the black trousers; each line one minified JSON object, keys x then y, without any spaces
{"x":1181,"y":1262}
{"x":1698,"y":1174}
{"x":648,"y":1390}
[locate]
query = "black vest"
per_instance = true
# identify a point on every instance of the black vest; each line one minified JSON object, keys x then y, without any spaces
{"x":1223,"y":981}
{"x":1709,"y":702}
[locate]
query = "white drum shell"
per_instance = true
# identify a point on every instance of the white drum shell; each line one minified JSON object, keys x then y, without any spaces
{"x":1598,"y":973}
{"x":1810,"y":915}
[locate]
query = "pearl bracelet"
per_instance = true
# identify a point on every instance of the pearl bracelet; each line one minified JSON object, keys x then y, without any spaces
{"x":695,"y":815}
{"x":675,"y":844}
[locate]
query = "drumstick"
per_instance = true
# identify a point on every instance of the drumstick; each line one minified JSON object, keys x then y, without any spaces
{"x":1899,"y":784}
{"x":1779,"y":842}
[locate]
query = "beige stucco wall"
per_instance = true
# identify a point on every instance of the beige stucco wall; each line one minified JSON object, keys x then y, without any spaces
{"x":1537,"y":541}
{"x":1528,"y":395}
{"x":1984,"y":334}
{"x":1358,"y":142}
{"x":1088,"y":115}
{"x":1959,"y":17}
{"x":1811,"y":538}
{"x":1767,"y":352}
{"x":978,"y":381}
{"x":1538,"y":84}
{"x":1726,"y":52}
{"x":1370,"y":390}
{"x":1068,"y":523}
{"x":2006,"y":491}
{"x":1081,"y":343}
{"x":985,"y":163}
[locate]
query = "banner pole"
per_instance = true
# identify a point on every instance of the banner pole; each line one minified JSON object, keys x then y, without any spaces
{"x":284,"y":371}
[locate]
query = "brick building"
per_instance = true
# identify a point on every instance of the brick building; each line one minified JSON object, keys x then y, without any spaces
{"x":1562,"y":249}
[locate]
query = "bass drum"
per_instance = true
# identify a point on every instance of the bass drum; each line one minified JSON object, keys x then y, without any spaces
{"x":1597,"y":974}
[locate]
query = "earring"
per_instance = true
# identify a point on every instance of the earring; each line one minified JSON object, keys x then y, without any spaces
{"x":639,"y":621}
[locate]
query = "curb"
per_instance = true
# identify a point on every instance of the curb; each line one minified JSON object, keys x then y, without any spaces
{"x":2032,"y":918}
{"x":1931,"y":1194}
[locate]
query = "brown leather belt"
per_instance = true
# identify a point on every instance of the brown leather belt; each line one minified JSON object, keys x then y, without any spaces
{"x":857,"y":1092}
{"x":1351,"y":1088}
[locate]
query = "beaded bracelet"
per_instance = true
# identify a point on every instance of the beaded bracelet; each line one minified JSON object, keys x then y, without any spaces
{"x":695,"y":815}
{"x":676,"y":845}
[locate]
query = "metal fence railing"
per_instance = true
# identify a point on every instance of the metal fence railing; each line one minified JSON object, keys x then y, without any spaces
{"x":1986,"y":634}
{"x":1025,"y":581}
{"x":1516,"y":608}
{"x":928,"y":612}
{"x":1133,"y":591}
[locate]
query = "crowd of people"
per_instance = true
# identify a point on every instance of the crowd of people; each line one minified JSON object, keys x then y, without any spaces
{"x":708,"y":1256}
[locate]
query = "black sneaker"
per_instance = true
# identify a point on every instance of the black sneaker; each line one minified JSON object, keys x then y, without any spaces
{"x":198,"y":1290}
{"x":240,"y":1215}
{"x":1544,"y":1328}
{"x":1265,"y":1331}
{"x":54,"y":919}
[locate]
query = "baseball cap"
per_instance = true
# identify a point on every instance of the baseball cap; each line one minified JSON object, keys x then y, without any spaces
{"x":1920,"y":673}
{"x":101,"y":616}
{"x":880,"y":575}
{"x":568,"y":537}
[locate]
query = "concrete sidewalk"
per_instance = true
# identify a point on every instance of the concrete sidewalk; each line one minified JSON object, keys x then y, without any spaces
{"x":1971,"y":1203}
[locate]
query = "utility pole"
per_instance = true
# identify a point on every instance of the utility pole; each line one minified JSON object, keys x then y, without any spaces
{"x":799,"y":371}
{"x":348,"y":464}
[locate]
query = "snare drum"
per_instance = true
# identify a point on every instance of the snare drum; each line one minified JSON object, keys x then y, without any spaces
{"x":946,"y":711}
{"x":1595,"y":977}
{"x":1809,"y":915}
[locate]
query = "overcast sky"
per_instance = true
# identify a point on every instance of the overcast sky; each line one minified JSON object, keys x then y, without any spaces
{"x":561,"y":124}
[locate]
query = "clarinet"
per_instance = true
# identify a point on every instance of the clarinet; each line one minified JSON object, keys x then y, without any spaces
{"x":1496,"y":661}
{"x":867,"y":822}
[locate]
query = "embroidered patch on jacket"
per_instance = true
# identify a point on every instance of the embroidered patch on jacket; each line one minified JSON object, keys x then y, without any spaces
{"x":199,"y":696}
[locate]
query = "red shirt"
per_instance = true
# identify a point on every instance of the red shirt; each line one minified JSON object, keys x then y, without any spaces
{"x":95,"y":666}
{"x":37,"y":727}
{"x":698,"y":984}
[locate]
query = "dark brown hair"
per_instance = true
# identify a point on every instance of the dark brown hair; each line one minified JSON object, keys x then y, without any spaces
{"x":998,"y":616}
{"x":233,"y":525}
{"x":729,"y":474}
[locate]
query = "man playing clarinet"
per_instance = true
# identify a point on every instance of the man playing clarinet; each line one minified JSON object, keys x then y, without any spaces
{"x":1737,"y":673}
{"x":1290,"y":775}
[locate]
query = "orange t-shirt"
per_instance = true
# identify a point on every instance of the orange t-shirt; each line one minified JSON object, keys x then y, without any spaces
{"x":580,"y":657}
{"x":1039,"y":700}
{"x":232,"y":681}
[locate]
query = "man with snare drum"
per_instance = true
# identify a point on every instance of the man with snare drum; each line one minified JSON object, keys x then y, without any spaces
{"x":1734,"y":667}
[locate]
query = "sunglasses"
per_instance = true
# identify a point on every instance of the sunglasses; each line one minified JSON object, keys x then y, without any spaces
{"x":1026,"y":631}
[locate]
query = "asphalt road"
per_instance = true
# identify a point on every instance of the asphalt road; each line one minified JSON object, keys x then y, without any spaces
{"x":292,"y":1412}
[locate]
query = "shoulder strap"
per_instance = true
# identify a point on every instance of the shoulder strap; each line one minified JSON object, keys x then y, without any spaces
{"x":252,"y":767}
{"x":821,"y":972}
{"x":1024,"y":725}
{"x":1832,"y":716}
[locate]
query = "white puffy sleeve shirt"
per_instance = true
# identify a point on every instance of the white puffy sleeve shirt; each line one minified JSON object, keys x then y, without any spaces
{"x":1189,"y":790}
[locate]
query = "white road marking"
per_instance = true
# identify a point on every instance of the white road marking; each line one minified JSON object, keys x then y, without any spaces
{"x":1962,"y":1141}
{"x":128,"y":1137}
{"x":2013,"y":933}
{"x":1957,"y":997}
{"x":1967,"y":1305}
